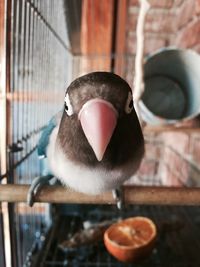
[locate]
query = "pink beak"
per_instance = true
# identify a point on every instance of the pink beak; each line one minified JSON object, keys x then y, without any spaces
{"x":98,"y":120}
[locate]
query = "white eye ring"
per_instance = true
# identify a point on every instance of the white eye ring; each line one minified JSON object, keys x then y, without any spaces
{"x":129,"y":103}
{"x":68,"y":106}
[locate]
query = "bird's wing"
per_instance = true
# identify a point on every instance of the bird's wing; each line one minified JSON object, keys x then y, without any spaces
{"x":45,"y":136}
{"x":45,"y":173}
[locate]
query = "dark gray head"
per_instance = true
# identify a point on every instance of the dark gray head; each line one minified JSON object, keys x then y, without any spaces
{"x":99,"y":124}
{"x":103,"y":85}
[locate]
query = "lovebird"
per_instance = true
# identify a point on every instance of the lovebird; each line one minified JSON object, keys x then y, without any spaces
{"x":95,"y":143}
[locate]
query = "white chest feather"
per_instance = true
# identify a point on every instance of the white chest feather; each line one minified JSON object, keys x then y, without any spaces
{"x":82,"y":178}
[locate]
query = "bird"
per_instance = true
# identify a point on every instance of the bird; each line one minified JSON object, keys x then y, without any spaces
{"x":95,"y":143}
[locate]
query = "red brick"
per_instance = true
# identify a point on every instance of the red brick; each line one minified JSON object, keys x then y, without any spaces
{"x":176,"y":164}
{"x":197,"y":7}
{"x":133,"y":2}
{"x":178,"y":3}
{"x":131,"y":22}
{"x":131,"y":43}
{"x":155,"y":22}
{"x":148,"y":168}
{"x":196,"y":48}
{"x":160,"y":22}
{"x":155,"y":3}
{"x":181,"y":170}
{"x":129,"y":71}
{"x":173,"y":161}
{"x":152,"y":151}
{"x":173,"y":180}
{"x":195,"y":135}
{"x":196,"y":151}
{"x":163,"y":173}
{"x":186,"y":13}
{"x":178,"y":141}
{"x":194,"y":178}
{"x":189,"y":36}
{"x":168,"y":176}
{"x":184,"y":172}
{"x":192,"y":123}
{"x":161,"y":4}
{"x":152,"y":43}
{"x":167,"y":155}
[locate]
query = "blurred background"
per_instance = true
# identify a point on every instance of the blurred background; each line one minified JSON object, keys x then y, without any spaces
{"x":44,"y":45}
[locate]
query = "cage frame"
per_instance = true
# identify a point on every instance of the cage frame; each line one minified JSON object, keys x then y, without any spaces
{"x":189,"y":196}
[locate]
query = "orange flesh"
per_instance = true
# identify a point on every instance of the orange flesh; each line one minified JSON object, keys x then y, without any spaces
{"x":131,"y":233}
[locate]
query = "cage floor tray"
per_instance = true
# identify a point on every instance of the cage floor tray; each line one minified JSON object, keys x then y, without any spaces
{"x":178,"y":242}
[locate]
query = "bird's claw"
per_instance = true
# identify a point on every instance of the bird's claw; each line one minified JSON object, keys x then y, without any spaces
{"x":119,"y":197}
{"x":36,"y":185}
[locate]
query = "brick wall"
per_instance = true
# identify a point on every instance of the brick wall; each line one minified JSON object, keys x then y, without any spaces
{"x":148,"y":172}
{"x":172,"y":158}
{"x":159,"y":30}
{"x":180,"y":164}
{"x":188,"y":25}
{"x":180,"y":160}
{"x":168,"y":22}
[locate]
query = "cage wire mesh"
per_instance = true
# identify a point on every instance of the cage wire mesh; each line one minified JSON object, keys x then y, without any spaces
{"x":41,"y":68}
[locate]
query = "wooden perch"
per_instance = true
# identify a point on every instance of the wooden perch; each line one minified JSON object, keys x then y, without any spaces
{"x":132,"y":195}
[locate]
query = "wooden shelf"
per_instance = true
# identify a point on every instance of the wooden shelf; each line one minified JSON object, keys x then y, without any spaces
{"x":159,"y":129}
{"x":187,"y":127}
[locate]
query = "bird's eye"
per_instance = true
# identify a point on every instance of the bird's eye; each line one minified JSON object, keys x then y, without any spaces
{"x":129,"y":103}
{"x":68,"y":106}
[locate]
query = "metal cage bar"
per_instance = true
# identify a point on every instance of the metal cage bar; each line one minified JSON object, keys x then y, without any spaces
{"x":4,"y":88}
{"x":2,"y":258}
{"x":38,"y":70}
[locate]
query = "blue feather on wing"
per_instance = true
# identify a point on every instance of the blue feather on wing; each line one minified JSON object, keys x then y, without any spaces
{"x":43,"y":144}
{"x":44,"y":138}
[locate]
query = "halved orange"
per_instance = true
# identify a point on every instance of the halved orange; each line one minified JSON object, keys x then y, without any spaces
{"x":131,"y":239}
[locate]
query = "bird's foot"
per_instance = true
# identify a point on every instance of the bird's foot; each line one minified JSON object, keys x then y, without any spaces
{"x":119,"y":197}
{"x":36,"y":185}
